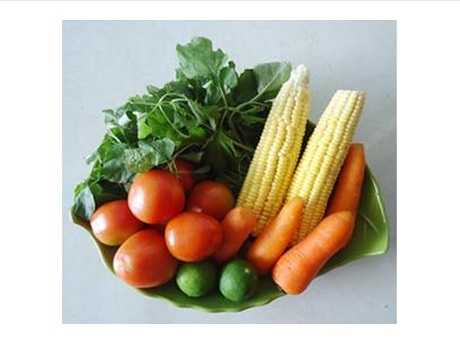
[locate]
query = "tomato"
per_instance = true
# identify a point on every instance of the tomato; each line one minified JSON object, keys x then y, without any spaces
{"x":212,"y":198}
{"x":193,"y":236}
{"x":184,"y":171}
{"x":144,"y":261}
{"x":113,"y":223}
{"x":155,"y":196}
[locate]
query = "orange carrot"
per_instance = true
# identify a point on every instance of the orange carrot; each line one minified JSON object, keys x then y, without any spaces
{"x":296,"y":268}
{"x":347,"y":190}
{"x":275,"y":238}
{"x":237,"y":225}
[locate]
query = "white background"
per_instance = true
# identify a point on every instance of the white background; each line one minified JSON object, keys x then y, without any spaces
{"x":106,"y":62}
{"x":31,"y":140}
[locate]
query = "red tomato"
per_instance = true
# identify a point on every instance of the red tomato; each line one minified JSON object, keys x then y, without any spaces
{"x":185,"y":173}
{"x":193,"y":236}
{"x":113,"y":223}
{"x":210,"y":197}
{"x":156,"y":195}
{"x":143,"y":260}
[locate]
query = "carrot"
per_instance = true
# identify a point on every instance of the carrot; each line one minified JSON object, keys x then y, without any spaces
{"x":347,"y":190}
{"x":296,"y":268}
{"x":237,"y":225}
{"x":275,"y":238}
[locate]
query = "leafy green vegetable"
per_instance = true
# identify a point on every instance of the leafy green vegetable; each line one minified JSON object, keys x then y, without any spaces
{"x":209,"y":114}
{"x":270,"y":77}
{"x":148,"y":154}
{"x":198,"y":60}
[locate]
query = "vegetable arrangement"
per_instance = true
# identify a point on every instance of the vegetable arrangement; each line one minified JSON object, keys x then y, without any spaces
{"x":209,"y":115}
{"x":210,"y":181}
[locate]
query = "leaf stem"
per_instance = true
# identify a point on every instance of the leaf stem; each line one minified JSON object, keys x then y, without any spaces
{"x":171,"y":124}
{"x":240,"y":145}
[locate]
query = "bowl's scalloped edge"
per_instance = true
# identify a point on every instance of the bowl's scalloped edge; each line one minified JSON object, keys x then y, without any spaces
{"x":211,"y":310}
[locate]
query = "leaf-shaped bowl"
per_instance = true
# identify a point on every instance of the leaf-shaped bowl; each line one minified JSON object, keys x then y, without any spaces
{"x":370,"y":237}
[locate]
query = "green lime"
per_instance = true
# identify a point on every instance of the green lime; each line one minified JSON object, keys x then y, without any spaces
{"x":238,"y":280}
{"x":196,"y":279}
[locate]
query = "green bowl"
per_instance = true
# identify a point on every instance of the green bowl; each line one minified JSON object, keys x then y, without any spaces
{"x":370,"y":237}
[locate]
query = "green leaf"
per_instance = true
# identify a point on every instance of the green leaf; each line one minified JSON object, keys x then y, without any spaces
{"x":198,"y":111}
{"x":121,"y":124}
{"x":202,"y":170}
{"x":140,"y":104}
{"x":84,"y":203}
{"x":198,"y":133}
{"x":213,"y":115}
{"x":138,"y":160}
{"x":105,"y":191}
{"x":148,"y":155}
{"x":213,"y":94}
{"x":105,"y":146}
{"x":178,"y":87}
{"x":163,"y":149}
{"x":113,"y":165}
{"x":144,"y":129}
{"x":197,"y":59}
{"x":228,"y":78}
{"x":227,"y":144}
{"x":246,"y":88}
{"x":194,"y":156}
{"x":157,"y":125}
{"x":153,"y":90}
{"x":252,"y":119}
{"x":215,"y":158}
{"x":89,"y":195}
{"x":270,"y":77}
{"x":96,"y":171}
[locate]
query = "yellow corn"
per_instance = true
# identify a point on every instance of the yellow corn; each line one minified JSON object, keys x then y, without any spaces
{"x":323,"y":157}
{"x":273,"y":164}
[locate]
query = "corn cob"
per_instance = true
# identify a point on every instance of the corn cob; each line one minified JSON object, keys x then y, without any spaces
{"x":273,"y":164}
{"x":323,"y":157}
